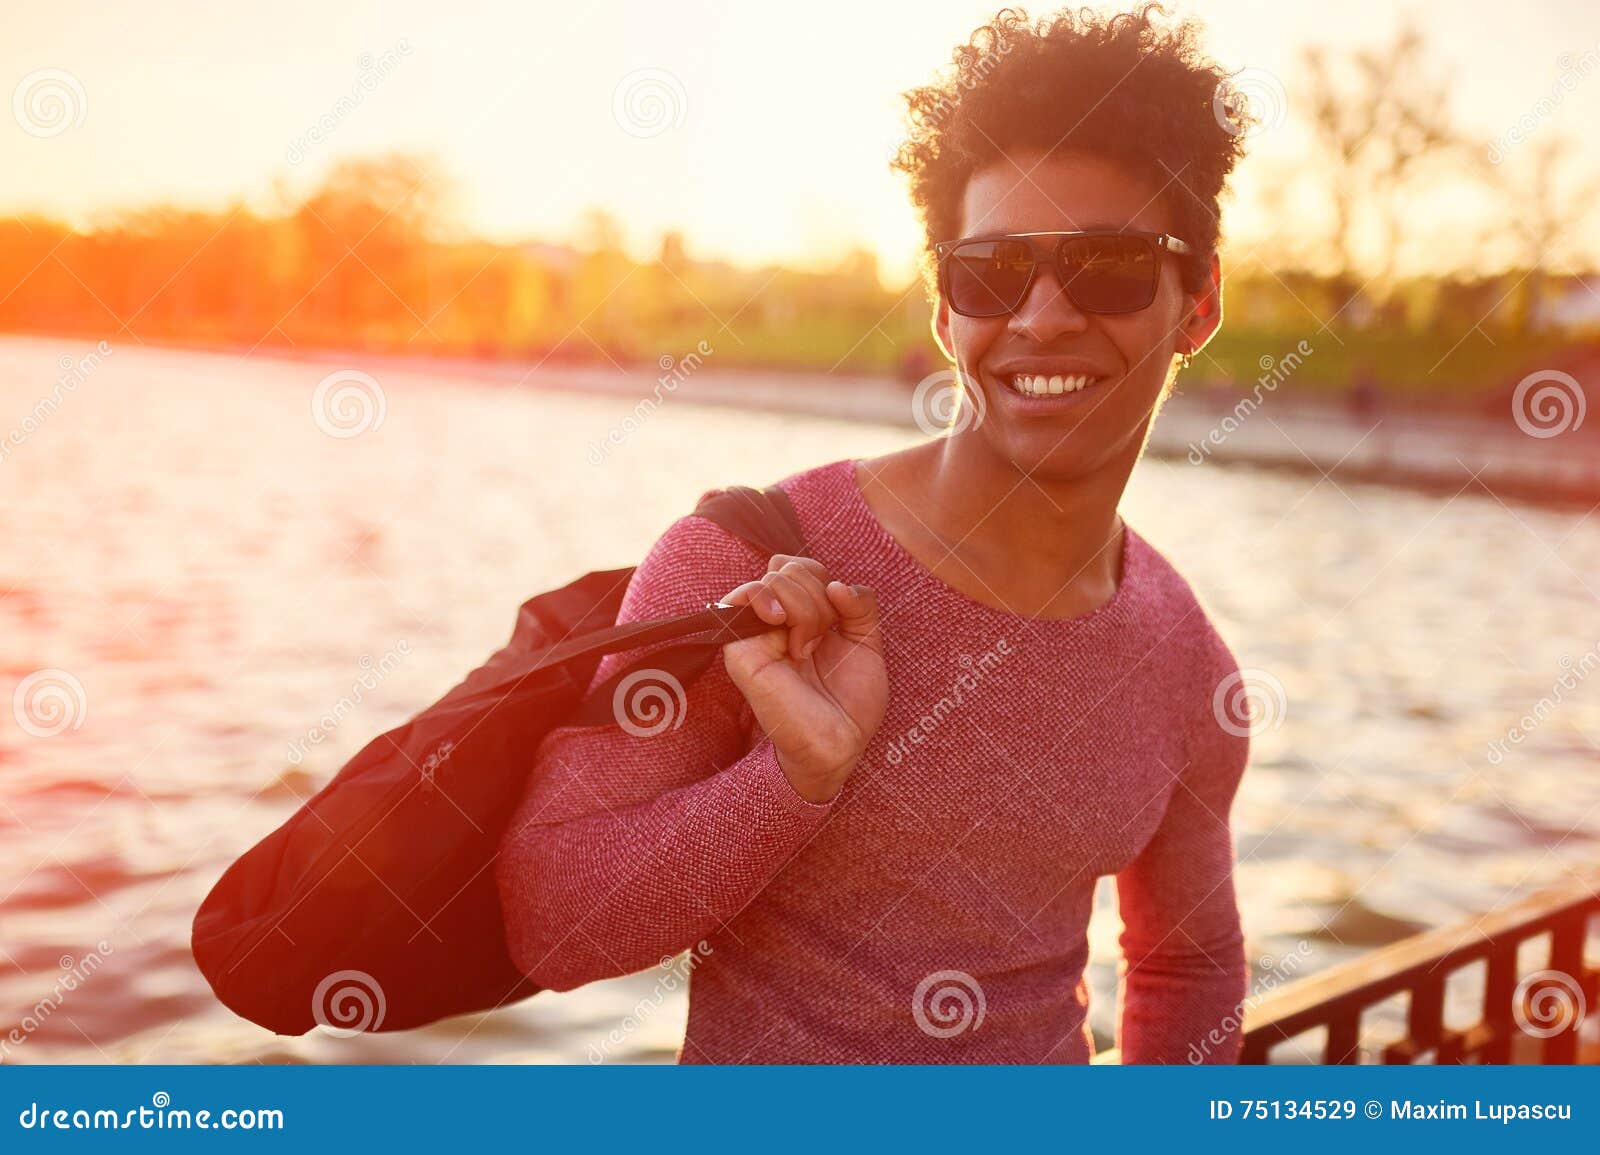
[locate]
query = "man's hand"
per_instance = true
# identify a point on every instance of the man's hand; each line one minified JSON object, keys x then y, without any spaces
{"x":817,"y":682}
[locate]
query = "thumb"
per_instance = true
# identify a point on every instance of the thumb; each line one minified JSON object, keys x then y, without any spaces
{"x":858,"y":613}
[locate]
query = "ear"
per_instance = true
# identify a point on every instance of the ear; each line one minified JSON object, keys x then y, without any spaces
{"x":1205,"y":311}
{"x":940,"y":324}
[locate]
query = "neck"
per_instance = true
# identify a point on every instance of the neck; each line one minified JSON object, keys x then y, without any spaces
{"x":1057,"y":524}
{"x":1038,"y":545}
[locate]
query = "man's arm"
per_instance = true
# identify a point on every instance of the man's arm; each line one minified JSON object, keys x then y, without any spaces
{"x":1183,"y":977}
{"x":629,"y":847}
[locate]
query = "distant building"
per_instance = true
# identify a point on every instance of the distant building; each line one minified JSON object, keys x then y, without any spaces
{"x":560,"y":259}
{"x":1568,"y":303}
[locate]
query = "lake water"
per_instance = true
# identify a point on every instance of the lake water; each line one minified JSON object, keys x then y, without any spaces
{"x":213,"y":572}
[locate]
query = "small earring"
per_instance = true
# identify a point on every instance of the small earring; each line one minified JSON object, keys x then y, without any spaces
{"x":1188,"y":359}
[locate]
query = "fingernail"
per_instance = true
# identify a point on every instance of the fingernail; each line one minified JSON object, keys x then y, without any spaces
{"x":810,"y":647}
{"x":776,"y":606}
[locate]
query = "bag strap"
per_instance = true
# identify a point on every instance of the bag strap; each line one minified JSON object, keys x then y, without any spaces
{"x":763,"y":518}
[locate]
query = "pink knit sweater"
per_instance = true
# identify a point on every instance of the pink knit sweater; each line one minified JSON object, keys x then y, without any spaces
{"x":935,"y":910}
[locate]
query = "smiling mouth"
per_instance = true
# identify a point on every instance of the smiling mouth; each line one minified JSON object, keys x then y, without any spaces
{"x":1041,"y":385}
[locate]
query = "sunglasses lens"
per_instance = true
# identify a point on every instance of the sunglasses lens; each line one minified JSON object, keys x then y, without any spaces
{"x":1109,"y":274}
{"x":988,"y":278}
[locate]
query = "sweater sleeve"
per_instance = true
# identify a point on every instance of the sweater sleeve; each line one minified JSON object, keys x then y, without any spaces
{"x":632,"y":843}
{"x":1183,"y":978}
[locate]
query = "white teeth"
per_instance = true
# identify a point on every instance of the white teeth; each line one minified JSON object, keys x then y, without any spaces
{"x":1037,"y":385}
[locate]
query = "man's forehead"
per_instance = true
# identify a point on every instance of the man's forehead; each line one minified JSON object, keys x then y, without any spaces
{"x":1030,"y":193}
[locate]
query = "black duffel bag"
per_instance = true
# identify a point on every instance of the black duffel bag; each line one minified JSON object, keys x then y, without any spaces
{"x":375,"y":905}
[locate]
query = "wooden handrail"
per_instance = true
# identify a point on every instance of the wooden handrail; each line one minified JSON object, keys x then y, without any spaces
{"x":1422,"y":965}
{"x":1554,"y":1001}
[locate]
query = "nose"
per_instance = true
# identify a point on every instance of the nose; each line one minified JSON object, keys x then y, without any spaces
{"x":1047,"y":311}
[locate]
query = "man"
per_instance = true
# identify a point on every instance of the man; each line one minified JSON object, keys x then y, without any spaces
{"x":881,"y":824}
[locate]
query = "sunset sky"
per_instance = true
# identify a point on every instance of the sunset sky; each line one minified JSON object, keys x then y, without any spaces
{"x":786,"y":115}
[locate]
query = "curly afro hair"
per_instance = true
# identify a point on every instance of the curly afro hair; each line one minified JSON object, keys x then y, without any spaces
{"x":1124,"y":88}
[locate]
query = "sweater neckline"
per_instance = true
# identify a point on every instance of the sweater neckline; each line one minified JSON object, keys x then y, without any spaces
{"x":1115,"y":611}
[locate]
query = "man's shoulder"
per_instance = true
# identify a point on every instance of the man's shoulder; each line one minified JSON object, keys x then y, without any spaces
{"x":1219,"y":699}
{"x":1186,"y":621}
{"x":820,"y":484}
{"x":816,"y":495}
{"x":804,"y":488}
{"x":695,"y":555}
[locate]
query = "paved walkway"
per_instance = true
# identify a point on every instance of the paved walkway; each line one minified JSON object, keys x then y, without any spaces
{"x":1403,"y":447}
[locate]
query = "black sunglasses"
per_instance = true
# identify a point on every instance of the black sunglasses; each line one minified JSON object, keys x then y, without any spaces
{"x":1101,"y":270}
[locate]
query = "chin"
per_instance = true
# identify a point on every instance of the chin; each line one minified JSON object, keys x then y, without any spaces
{"x":1048,"y":457}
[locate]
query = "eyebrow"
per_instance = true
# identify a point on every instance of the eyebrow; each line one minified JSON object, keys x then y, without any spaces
{"x":1088,"y":227}
{"x":1091,"y":226}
